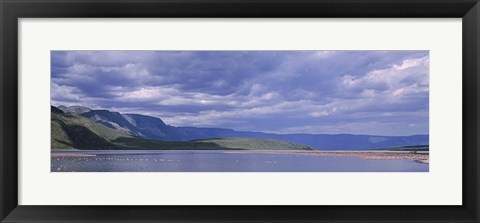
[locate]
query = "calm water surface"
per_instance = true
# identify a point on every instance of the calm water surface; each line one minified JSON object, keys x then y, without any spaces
{"x":218,"y":161}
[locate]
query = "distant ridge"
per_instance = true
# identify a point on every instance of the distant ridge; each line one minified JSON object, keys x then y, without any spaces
{"x":72,"y":131}
{"x":153,"y":128}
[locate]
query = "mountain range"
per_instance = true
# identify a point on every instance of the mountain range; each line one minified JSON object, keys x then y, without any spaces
{"x":125,"y":129}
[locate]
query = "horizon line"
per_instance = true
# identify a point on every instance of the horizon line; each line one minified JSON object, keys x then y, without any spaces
{"x":266,"y":132}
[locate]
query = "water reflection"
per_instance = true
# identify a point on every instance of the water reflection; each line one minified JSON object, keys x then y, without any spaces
{"x":217,"y":161}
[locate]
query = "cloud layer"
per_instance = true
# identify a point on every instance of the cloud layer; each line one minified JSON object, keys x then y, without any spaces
{"x":359,"y":92}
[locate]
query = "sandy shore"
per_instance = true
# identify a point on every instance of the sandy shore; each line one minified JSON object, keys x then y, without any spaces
{"x":59,"y":155}
{"x":368,"y":155}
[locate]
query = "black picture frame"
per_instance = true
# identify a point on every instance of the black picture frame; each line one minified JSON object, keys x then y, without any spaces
{"x":12,"y":10}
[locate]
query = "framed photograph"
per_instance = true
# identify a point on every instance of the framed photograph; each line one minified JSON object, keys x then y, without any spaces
{"x":239,"y":111}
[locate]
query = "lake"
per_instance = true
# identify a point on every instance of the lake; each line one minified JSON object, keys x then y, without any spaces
{"x":219,"y":161}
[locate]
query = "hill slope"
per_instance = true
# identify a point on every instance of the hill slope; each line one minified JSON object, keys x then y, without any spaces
{"x":255,"y":144}
{"x":210,"y":144}
{"x":155,"y":129}
{"x":71,"y":131}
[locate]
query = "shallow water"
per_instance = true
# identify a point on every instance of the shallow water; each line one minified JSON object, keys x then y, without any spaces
{"x":218,"y":161}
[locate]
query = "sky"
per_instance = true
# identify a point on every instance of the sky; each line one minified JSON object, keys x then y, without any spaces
{"x":318,"y":92}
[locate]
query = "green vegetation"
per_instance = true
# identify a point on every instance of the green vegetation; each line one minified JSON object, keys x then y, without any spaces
{"x":59,"y":137}
{"x":211,"y":144}
{"x":255,"y":143}
{"x":139,"y":143}
{"x":72,"y":131}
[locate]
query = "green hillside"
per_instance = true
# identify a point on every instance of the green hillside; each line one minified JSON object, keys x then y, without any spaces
{"x":256,"y":143}
{"x":72,"y":131}
{"x":211,"y":144}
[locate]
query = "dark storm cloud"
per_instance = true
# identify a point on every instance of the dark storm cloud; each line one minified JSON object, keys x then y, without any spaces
{"x":371,"y":92}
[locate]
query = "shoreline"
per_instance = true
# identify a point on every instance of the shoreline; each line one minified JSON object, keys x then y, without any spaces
{"x":367,"y":155}
{"x":422,"y":157}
